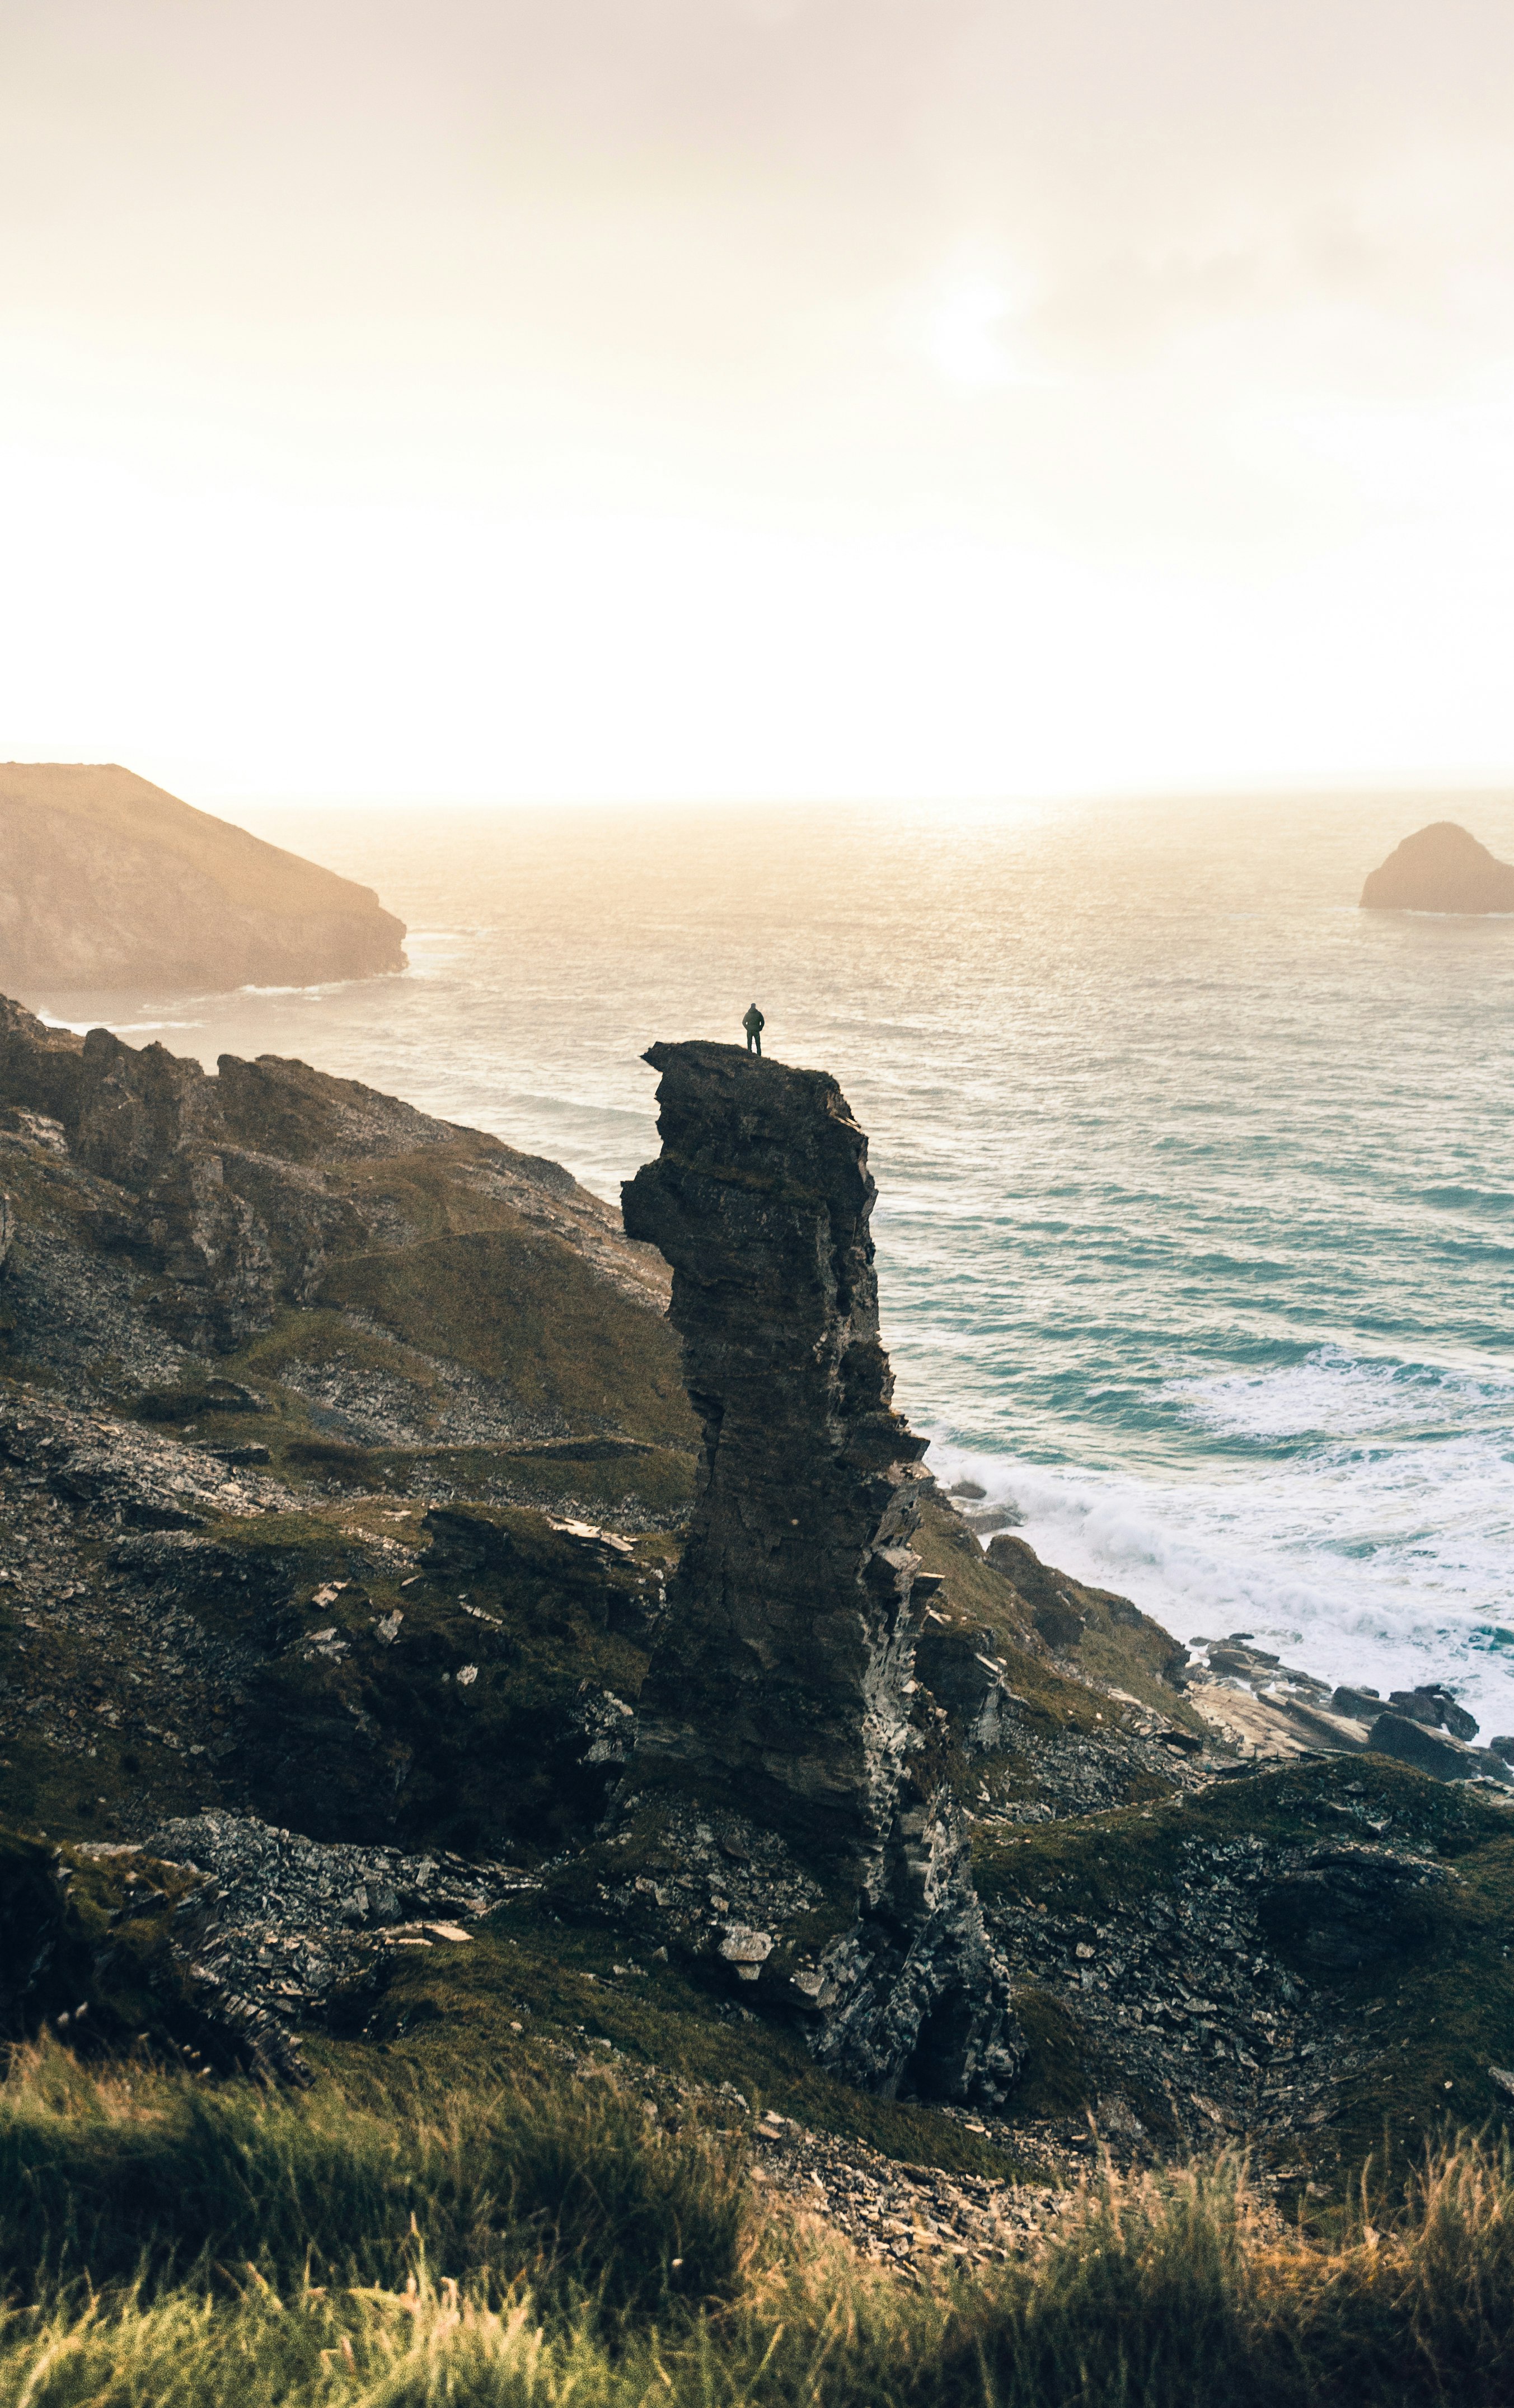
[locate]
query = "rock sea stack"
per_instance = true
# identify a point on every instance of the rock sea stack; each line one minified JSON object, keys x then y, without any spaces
{"x":107,"y":881}
{"x":1441,"y":869}
{"x":783,"y":1687}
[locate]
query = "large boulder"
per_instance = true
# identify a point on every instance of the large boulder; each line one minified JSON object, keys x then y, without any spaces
{"x":1441,"y":869}
{"x":1433,"y":1752}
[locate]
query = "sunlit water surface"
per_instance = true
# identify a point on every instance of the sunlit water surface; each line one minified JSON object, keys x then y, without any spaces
{"x":1196,"y":1218}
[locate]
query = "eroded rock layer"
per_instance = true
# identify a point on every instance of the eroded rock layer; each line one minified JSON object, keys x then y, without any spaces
{"x":783,"y":1683}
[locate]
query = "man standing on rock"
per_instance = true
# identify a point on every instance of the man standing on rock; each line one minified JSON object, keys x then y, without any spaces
{"x":753,"y":1023}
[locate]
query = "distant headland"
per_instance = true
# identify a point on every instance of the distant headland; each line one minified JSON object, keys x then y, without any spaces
{"x":108,"y":882}
{"x":1441,"y":869}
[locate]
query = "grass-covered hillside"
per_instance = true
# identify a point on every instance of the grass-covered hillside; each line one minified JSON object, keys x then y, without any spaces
{"x":108,"y":882}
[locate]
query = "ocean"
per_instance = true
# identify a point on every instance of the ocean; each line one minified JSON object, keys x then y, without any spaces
{"x":1195,"y":1226}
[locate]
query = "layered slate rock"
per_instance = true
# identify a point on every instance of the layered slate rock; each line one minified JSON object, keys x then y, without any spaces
{"x":782,"y":1688}
{"x":1441,"y":869}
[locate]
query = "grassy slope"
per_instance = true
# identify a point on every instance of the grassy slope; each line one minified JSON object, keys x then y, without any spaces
{"x":1055,"y":1703}
{"x":451,"y":2018}
{"x":524,"y":1311}
{"x":480,"y":1285}
{"x":485,"y":1767}
{"x":540,"y":2244}
{"x":560,"y":1351}
{"x":1447,"y":1990}
{"x":486,"y":1770}
{"x":1448,"y":1986}
{"x":565,"y":1353}
{"x":1125,"y":1650}
{"x":465,"y":2016}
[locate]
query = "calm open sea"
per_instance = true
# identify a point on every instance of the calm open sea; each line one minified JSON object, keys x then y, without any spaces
{"x":1197,"y":1224}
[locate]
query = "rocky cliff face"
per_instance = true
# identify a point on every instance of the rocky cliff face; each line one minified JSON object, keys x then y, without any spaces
{"x":106,"y":882}
{"x":1441,"y":869}
{"x":181,"y":1147}
{"x":783,"y":1684}
{"x":461,"y":1291}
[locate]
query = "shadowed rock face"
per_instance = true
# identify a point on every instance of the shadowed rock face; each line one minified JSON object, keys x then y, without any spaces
{"x":791,"y":1634}
{"x":1441,"y":869}
{"x":783,"y":1681}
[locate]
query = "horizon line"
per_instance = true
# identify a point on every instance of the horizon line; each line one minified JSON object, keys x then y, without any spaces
{"x":1300,"y":787}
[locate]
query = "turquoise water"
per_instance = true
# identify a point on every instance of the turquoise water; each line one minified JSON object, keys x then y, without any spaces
{"x":1196,"y":1219}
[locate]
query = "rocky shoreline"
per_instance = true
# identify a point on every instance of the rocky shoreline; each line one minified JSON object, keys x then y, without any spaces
{"x":1284,"y":1706}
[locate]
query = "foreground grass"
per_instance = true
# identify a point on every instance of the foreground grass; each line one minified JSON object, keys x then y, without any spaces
{"x":164,"y":2242}
{"x":157,"y":2182}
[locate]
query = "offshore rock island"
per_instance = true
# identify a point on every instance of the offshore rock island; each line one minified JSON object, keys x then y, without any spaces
{"x":108,"y":882}
{"x":1441,"y":869}
{"x":430,"y":1633}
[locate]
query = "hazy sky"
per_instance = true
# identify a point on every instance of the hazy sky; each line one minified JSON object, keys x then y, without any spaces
{"x":732,"y":397}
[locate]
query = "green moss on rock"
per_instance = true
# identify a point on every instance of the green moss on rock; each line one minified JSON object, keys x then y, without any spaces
{"x":531,"y":1983}
{"x":525,"y":1310}
{"x":1434,"y":1992}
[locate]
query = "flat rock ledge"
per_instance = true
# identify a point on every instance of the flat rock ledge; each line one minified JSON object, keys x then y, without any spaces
{"x":1269,"y":1711}
{"x":781,"y":1730}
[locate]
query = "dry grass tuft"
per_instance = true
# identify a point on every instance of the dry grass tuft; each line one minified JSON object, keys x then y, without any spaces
{"x":168,"y":2246}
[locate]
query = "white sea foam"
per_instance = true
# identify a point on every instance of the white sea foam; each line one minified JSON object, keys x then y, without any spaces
{"x":116,"y":1028}
{"x":1334,"y":1395}
{"x":430,"y":953}
{"x":1384,"y":1564}
{"x":316,"y":987}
